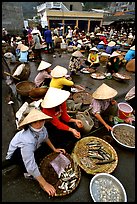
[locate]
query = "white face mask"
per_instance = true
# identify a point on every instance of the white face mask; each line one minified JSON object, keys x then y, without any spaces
{"x":36,"y":130}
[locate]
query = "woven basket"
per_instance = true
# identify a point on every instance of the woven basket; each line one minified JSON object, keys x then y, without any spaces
{"x":24,"y":74}
{"x":38,"y":93}
{"x":51,"y":176}
{"x":23,"y":88}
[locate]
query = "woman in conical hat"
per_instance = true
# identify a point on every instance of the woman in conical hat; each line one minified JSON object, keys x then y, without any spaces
{"x":113,"y":63}
{"x":59,"y":79}
{"x":111,"y":47}
{"x":103,"y":106}
{"x":28,"y":147}
{"x":44,"y":75}
{"x":93,"y":58}
{"x":23,"y":55}
{"x":130,"y":54}
{"x":62,"y":129}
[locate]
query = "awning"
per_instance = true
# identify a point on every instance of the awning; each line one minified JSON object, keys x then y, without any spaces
{"x":107,"y":22}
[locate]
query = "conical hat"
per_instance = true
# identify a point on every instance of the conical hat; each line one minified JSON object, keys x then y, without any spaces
{"x":101,"y":43}
{"x":19,"y":45}
{"x":104,"y":92}
{"x":77,"y":54}
{"x":54,"y":97}
{"x":33,"y":116}
{"x":132,"y":48}
{"x":114,"y":54}
{"x":94,"y":49}
{"x":59,"y":71}
{"x":24,"y":48}
{"x":43,"y":65}
{"x":111,"y":44}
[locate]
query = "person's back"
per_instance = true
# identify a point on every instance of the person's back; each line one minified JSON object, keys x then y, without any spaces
{"x":60,"y":82}
{"x":130,"y":55}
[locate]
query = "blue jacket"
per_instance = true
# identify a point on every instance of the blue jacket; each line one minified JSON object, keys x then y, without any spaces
{"x":130,"y":55}
{"x":48,"y":36}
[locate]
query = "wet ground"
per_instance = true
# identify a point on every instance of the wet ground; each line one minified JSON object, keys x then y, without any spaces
{"x":15,"y":188}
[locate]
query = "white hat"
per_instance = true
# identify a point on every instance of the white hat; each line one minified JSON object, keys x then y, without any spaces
{"x":24,"y":48}
{"x":77,"y":54}
{"x":94,"y":49}
{"x":133,"y":47}
{"x":111,"y":44}
{"x":98,"y":34}
{"x":104,"y":92}
{"x":58,"y":71}
{"x":43,"y":65}
{"x":104,"y":54}
{"x":101,"y":43}
{"x":114,"y":54}
{"x":54,"y":97}
{"x":33,"y":116}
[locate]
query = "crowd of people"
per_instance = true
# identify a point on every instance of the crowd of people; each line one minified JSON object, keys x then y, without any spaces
{"x":50,"y":121}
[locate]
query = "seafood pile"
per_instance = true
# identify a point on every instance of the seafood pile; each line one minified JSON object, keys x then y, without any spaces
{"x":125,"y":135}
{"x":82,"y":97}
{"x":98,"y":76}
{"x":107,"y":189}
{"x":95,"y":155}
{"x":67,"y":180}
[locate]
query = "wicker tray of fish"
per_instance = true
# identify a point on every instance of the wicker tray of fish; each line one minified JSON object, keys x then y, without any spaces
{"x":82,"y":97}
{"x":95,"y":155}
{"x":67,"y":181}
{"x":121,"y":77}
{"x":98,"y":75}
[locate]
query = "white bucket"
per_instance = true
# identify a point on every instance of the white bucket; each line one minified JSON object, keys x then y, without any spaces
{"x":63,"y":46}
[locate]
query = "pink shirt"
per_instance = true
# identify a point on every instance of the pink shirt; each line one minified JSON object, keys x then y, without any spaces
{"x":41,"y":76}
{"x":99,"y":106}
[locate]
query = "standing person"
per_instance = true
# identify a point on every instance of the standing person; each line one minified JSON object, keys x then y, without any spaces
{"x":113,"y":63}
{"x":103,"y":106}
{"x":62,"y":129}
{"x":36,"y":45}
{"x":44,"y":76}
{"x":59,"y":80}
{"x":48,"y":38}
{"x":75,"y":62}
{"x":27,"y":148}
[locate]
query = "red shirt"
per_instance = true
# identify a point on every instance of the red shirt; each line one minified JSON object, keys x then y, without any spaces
{"x":57,"y":113}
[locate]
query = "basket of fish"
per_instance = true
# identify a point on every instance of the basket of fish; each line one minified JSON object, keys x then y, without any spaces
{"x":61,"y":171}
{"x":124,"y":134}
{"x":98,"y":75}
{"x":95,"y":155}
{"x":82,"y":97}
{"x":121,"y":77}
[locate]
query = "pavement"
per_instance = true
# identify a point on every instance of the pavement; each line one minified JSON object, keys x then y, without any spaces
{"x":15,"y":188}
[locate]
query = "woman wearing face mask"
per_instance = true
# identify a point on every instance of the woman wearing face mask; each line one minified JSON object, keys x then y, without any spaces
{"x":27,"y":148}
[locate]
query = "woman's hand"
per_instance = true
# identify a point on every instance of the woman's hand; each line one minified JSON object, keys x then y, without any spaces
{"x":113,"y":102}
{"x":75,"y":133}
{"x":60,"y":150}
{"x":79,"y":123}
{"x":49,"y":189}
{"x":108,"y":127}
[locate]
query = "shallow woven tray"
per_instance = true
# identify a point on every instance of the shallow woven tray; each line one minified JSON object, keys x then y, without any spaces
{"x":82,"y":97}
{"x":51,"y":176}
{"x":127,"y":77}
{"x":98,"y":75}
{"x":81,"y":151}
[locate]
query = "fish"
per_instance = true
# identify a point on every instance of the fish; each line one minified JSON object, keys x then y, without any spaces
{"x":106,"y":161}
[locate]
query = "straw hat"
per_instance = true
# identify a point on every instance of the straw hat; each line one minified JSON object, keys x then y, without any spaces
{"x":59,"y":71}
{"x":19,"y":45}
{"x":114,"y":54}
{"x":43,"y":65}
{"x":24,"y":48}
{"x":104,"y":54}
{"x":33,"y":116}
{"x":101,"y":43}
{"x":111,"y":44}
{"x":54,"y":97}
{"x":104,"y":92}
{"x":77,"y":54}
{"x":132,"y":48}
{"x":94,"y":49}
